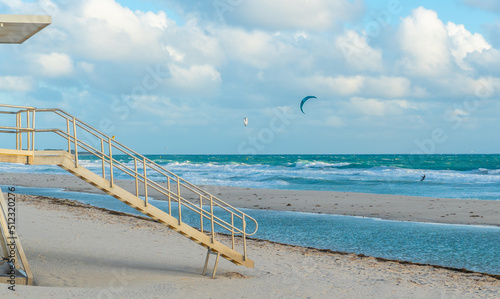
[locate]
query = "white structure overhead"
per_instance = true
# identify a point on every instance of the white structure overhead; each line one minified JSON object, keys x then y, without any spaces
{"x":15,"y":29}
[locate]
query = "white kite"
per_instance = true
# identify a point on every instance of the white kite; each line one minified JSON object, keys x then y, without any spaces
{"x":245,"y":121}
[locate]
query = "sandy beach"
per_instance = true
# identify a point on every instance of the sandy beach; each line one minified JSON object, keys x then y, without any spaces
{"x":79,"y":251}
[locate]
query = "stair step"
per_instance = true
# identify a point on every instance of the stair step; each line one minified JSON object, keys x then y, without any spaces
{"x":71,"y":127}
{"x":135,"y":202}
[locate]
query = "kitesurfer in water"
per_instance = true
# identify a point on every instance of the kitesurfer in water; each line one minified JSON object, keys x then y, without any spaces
{"x":423,"y":178}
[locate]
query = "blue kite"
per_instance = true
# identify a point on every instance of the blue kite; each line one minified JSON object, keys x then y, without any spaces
{"x":304,"y":100}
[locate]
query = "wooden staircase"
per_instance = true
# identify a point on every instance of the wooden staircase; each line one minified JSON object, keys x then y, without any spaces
{"x":14,"y":267}
{"x":220,"y":216}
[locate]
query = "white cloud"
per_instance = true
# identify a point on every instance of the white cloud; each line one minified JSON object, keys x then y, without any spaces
{"x":200,"y":45}
{"x":195,"y":80}
{"x":486,"y":61}
{"x":388,"y":87}
{"x":432,"y":49}
{"x":358,"y":53}
{"x":380,"y":86}
{"x":174,"y":113}
{"x":55,"y":64}
{"x":463,"y":43}
{"x":13,"y":83}
{"x":174,"y":53}
{"x":86,"y":67}
{"x":158,"y":20}
{"x":487,"y":87}
{"x":257,"y":48}
{"x":461,"y":86}
{"x":106,"y":30}
{"x":339,"y":85}
{"x":375,"y":107}
{"x":424,"y":42}
{"x":121,"y":20}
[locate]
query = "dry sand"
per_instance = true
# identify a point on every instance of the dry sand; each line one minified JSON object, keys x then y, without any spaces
{"x":77,"y":251}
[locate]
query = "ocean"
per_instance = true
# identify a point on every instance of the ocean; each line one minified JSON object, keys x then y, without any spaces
{"x":450,"y":176}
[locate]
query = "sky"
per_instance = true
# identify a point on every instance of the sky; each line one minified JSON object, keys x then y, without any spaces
{"x":178,"y":77}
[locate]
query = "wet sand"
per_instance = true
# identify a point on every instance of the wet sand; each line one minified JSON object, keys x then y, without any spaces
{"x":391,"y":207}
{"x":78,"y":251}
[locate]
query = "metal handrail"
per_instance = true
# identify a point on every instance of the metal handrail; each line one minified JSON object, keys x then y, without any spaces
{"x":121,"y":147}
{"x":108,"y":159}
{"x":17,"y":106}
{"x":125,"y":148}
{"x":155,"y":185}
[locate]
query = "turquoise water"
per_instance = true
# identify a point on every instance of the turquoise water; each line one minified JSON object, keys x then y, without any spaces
{"x":452,"y":176}
{"x":475,"y":248}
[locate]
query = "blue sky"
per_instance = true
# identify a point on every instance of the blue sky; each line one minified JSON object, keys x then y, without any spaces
{"x":177,"y":77}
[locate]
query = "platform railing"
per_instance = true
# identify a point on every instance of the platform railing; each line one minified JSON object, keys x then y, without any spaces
{"x":108,"y":150}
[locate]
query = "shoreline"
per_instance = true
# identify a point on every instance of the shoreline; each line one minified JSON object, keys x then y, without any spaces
{"x":81,"y":251}
{"x":96,"y":253}
{"x":53,"y":198}
{"x":381,"y":206}
{"x":76,"y":204}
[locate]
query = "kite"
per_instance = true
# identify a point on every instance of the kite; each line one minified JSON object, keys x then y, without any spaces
{"x":304,"y":100}
{"x":245,"y":121}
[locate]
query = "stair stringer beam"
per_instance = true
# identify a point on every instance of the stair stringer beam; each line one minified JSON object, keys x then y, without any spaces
{"x":64,"y":160}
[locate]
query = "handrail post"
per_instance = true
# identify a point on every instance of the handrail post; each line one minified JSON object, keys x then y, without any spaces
{"x":232,"y":229}
{"x":20,"y":131}
{"x":179,"y":199}
{"x":33,"y":132}
{"x":18,"y":124}
{"x":136,"y":178}
{"x":201,"y":213}
{"x":103,"y":159}
{"x":76,"y":142}
{"x":110,"y":163}
{"x":145,"y":184}
{"x":212,"y":217}
{"x":28,"y":135}
{"x":244,"y":238}
{"x":69,"y":138}
{"x":169,"y":197}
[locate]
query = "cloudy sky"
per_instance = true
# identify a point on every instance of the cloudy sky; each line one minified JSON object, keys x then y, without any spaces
{"x":177,"y":76}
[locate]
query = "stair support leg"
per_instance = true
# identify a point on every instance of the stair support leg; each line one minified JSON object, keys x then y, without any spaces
{"x":75,"y":142}
{"x":209,"y":252}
